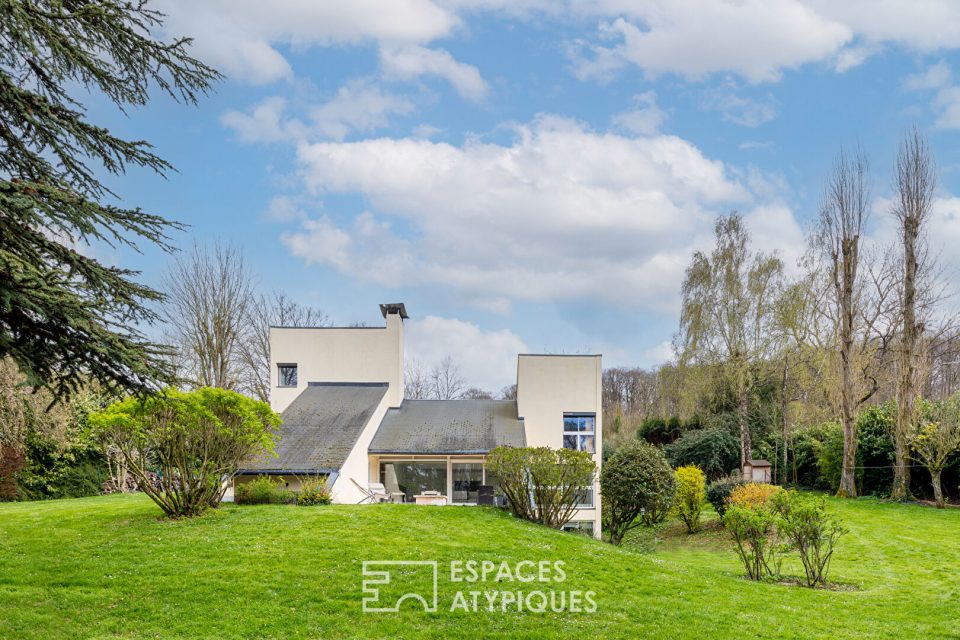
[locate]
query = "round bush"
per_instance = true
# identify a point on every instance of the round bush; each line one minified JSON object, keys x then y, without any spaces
{"x":715,"y":450}
{"x":638,"y":487}
{"x":718,"y":493}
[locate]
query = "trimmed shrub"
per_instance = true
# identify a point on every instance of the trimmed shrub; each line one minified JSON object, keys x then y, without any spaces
{"x":752,"y":495}
{"x":715,"y":450}
{"x":541,"y":484}
{"x":263,"y":490}
{"x":811,"y":531}
{"x":691,"y":489}
{"x":195,"y":441}
{"x":718,"y":493}
{"x":754,"y":530}
{"x":313,"y":491}
{"x":638,"y":487}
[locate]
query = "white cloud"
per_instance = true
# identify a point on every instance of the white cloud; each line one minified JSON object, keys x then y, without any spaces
{"x":661,"y":353}
{"x":360,"y":105}
{"x":240,"y":37}
{"x":946,"y":102}
{"x":934,"y":77}
{"x":263,"y":123}
{"x":560,"y":213}
{"x":756,"y":39}
{"x":410,"y":61}
{"x":486,"y":359}
{"x":645,"y":117}
{"x":694,"y":38}
{"x":773,"y":227}
{"x":737,"y":109}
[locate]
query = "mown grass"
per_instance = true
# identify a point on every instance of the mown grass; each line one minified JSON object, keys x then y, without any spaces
{"x":109,"y":567}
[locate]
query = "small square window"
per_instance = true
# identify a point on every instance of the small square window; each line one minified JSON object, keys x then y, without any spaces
{"x":286,"y":375}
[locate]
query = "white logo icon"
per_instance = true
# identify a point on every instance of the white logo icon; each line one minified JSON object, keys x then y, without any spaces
{"x":377,"y":574}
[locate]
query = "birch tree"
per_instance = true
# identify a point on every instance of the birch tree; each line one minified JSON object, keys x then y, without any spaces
{"x":728,"y":319}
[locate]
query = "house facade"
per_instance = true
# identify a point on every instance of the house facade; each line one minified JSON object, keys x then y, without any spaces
{"x":340,"y":392}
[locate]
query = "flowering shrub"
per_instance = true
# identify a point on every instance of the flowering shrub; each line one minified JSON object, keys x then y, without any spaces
{"x":691,"y":489}
{"x":313,"y":491}
{"x":718,"y":493}
{"x":753,"y":494}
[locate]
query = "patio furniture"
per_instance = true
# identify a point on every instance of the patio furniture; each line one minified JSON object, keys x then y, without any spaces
{"x":374,"y":492}
{"x":433,"y":498}
{"x":485,"y":494}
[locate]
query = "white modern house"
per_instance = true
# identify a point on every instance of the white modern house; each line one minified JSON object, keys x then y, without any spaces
{"x":341,"y":395}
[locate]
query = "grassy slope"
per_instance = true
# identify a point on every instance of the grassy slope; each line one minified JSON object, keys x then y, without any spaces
{"x":108,"y":567}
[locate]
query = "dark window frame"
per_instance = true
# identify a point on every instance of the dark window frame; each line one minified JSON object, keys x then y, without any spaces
{"x":280,"y":367}
{"x":579,"y":433}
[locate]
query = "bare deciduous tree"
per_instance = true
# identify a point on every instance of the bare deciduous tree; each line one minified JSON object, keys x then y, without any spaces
{"x":914,"y":185}
{"x":838,"y":240}
{"x":210,"y":293}
{"x":416,"y":385}
{"x":446,"y":383}
{"x":442,"y":382}
{"x":265,"y":311}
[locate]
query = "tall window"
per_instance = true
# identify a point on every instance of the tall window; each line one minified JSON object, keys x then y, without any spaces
{"x":286,"y":375}
{"x":579,"y":431}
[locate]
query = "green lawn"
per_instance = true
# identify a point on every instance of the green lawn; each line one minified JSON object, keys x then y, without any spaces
{"x":108,"y":567}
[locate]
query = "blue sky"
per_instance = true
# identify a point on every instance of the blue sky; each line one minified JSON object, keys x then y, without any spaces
{"x":532,"y":176}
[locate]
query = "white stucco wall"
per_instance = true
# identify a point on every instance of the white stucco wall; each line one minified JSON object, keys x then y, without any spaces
{"x":338,"y":355}
{"x":549,"y":386}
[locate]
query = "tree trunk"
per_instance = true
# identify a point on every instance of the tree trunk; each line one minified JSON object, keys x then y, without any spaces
{"x":848,"y":484}
{"x":937,"y":489}
{"x":785,"y":423}
{"x":746,"y":447}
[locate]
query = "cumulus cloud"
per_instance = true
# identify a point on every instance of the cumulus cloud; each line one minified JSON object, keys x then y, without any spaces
{"x":694,"y":38}
{"x":412,"y":61}
{"x":241,"y":37}
{"x":644,"y":116}
{"x":562,"y":212}
{"x":486,"y":359}
{"x":756,"y":39}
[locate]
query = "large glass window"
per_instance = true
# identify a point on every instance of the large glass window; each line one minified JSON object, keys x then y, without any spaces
{"x":579,"y":431}
{"x":286,"y":375}
{"x":467,"y":478}
{"x":413,"y":478}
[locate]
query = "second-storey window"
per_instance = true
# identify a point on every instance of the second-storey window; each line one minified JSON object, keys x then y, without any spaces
{"x":579,"y":431}
{"x":286,"y":375}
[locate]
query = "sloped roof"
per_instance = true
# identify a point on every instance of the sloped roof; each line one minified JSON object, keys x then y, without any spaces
{"x":320,"y":427}
{"x":449,"y":426}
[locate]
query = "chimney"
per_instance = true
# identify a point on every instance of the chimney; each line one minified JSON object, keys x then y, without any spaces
{"x":395,"y":313}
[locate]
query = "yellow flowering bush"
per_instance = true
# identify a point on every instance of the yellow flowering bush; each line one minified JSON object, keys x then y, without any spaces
{"x":752,"y":494}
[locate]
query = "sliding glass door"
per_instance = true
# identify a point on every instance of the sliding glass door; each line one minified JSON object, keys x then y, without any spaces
{"x":413,"y":478}
{"x":467,"y":478}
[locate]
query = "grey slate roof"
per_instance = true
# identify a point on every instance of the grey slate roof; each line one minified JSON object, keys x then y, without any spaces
{"x":449,"y":426}
{"x":320,"y":427}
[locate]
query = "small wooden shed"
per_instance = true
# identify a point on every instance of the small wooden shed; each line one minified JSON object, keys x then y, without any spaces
{"x":757,"y":471}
